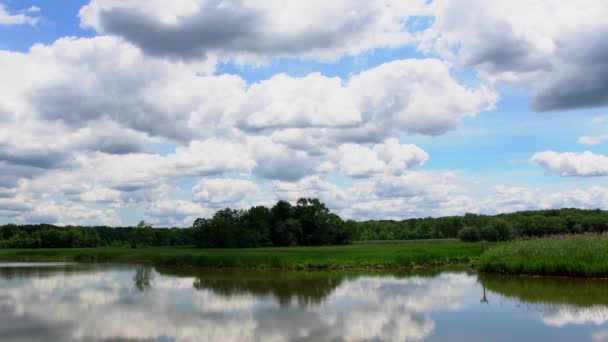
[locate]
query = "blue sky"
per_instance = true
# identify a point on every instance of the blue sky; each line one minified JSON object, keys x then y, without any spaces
{"x":169,"y":112}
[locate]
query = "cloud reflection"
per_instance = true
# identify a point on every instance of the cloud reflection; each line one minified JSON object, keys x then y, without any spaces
{"x":105,"y":305}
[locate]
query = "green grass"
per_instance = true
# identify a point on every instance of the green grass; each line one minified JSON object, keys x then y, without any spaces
{"x":387,"y":255}
{"x":567,"y":255}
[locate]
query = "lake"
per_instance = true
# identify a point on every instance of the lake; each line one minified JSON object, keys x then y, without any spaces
{"x":85,"y":302}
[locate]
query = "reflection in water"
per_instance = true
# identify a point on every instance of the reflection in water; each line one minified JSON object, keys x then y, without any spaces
{"x":484,"y":298}
{"x":143,"y":277}
{"x":345,"y":307}
{"x":561,"y":301}
{"x":88,"y":302}
{"x":306,"y":289}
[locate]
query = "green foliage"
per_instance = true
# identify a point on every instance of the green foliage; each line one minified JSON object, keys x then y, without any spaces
{"x":308,"y":223}
{"x":488,"y":233}
{"x":507,"y":226}
{"x":377,"y":255}
{"x":469,"y":234}
{"x":49,"y":236}
{"x":583,"y":255}
{"x":142,"y":235}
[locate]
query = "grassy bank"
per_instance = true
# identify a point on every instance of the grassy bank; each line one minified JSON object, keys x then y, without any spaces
{"x":566,"y":255}
{"x":388,"y":255}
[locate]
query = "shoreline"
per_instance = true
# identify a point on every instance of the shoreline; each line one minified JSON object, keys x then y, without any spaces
{"x":388,"y":256}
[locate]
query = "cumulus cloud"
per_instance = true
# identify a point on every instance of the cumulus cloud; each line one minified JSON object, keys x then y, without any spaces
{"x":7,"y":18}
{"x":509,"y":199}
{"x":389,"y":156}
{"x":384,"y":196}
{"x":311,"y":101}
{"x":568,"y":164}
{"x":416,"y":96}
{"x":219,"y":192}
{"x":104,"y":79}
{"x":171,"y":213}
{"x":403,"y":96}
{"x":311,"y":187}
{"x":564,"y":64}
{"x":81,"y":119}
{"x":25,"y":208}
{"x":87,"y":80}
{"x":246,"y":30}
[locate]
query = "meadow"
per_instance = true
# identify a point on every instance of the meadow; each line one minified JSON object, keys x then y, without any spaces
{"x":376,"y":255}
{"x":584,"y":255}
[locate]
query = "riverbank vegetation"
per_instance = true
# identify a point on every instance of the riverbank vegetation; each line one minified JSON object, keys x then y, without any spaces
{"x":386,"y":255}
{"x":307,"y":223}
{"x":583,"y":255}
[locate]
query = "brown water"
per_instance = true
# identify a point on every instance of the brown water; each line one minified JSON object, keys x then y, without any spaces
{"x":87,"y":302}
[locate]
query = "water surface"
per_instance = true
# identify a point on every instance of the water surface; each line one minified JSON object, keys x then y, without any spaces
{"x":87,"y":302}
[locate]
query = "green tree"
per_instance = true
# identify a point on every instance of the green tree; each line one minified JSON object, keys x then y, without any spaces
{"x":143,"y":235}
{"x":469,"y":234}
{"x":488,"y":233}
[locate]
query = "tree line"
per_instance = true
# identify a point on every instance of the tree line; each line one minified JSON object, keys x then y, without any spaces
{"x":309,"y":222}
{"x":474,"y":227}
{"x":51,"y":236}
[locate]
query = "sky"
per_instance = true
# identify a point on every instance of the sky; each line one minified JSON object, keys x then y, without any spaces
{"x":114,"y":111}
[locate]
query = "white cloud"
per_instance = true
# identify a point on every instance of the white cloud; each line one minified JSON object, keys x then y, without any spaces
{"x":253,"y":31}
{"x":167,"y":100}
{"x":509,"y":199}
{"x":562,"y":60}
{"x":384,"y":196}
{"x":311,"y":187}
{"x":569,"y":315}
{"x":568,"y":164}
{"x":100,"y":305}
{"x":81,"y":119}
{"x":7,"y":18}
{"x":389,"y":157}
{"x":218,"y":192}
{"x":284,"y":101}
{"x":416,"y":96}
{"x":180,"y":213}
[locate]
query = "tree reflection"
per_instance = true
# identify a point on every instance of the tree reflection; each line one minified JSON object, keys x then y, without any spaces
{"x":532,"y":290}
{"x":484,"y":298}
{"x":143,"y":277}
{"x":304,"y":288}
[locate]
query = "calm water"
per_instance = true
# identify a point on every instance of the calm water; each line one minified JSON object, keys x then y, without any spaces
{"x":65,"y":302}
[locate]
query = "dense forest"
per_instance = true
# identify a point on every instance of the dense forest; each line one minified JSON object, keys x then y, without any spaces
{"x":473,"y":227}
{"x":50,"y":236}
{"x":308,"y":222}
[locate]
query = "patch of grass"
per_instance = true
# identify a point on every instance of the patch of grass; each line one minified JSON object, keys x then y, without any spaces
{"x":564,"y":255}
{"x":377,"y":255}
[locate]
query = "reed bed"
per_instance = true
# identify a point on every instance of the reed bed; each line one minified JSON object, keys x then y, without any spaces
{"x":584,"y":255}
